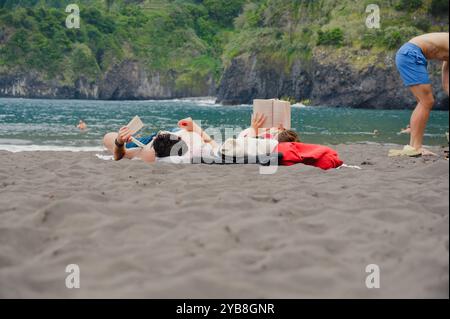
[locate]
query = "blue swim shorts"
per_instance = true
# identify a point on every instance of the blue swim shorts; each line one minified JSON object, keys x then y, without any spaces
{"x":144,"y":140}
{"x":412,"y":65}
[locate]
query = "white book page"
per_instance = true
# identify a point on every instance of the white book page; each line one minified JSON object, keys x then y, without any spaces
{"x":264,"y":107}
{"x":135,"y":125}
{"x":282,"y":114}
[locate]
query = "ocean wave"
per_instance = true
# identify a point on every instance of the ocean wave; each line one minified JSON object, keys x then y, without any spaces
{"x":48,"y":148}
{"x":206,"y":100}
{"x":301,"y":105}
{"x":198,"y":101}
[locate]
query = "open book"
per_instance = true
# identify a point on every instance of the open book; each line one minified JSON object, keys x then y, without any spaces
{"x":277,"y":112}
{"x":135,"y":126}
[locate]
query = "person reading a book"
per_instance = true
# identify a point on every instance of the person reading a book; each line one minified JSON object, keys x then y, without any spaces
{"x":188,"y":140}
{"x":289,"y":146}
{"x":270,"y":118}
{"x":279,"y":133}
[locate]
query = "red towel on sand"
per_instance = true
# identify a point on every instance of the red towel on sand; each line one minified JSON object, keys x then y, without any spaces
{"x":309,"y":154}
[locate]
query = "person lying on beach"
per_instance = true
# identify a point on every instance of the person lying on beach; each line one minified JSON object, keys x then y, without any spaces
{"x":412,"y":61}
{"x":190,"y":141}
{"x":292,"y":149}
{"x":278,"y":133}
{"x":195,"y":140}
{"x":187,"y":140}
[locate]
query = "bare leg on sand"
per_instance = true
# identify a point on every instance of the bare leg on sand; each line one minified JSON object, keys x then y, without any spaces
{"x":420,"y":116}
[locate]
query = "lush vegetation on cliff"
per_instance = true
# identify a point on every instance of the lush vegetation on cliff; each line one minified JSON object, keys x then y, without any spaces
{"x":185,"y":37}
{"x":197,"y":38}
{"x":287,"y":30}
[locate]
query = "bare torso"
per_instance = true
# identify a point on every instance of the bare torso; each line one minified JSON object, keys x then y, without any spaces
{"x":435,"y":46}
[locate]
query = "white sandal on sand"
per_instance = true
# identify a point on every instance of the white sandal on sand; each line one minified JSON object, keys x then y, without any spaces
{"x":406,"y":151}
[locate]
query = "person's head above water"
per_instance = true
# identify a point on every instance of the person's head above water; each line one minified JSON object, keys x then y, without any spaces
{"x":167,"y":144}
{"x":82,"y":125}
{"x":288,"y":136}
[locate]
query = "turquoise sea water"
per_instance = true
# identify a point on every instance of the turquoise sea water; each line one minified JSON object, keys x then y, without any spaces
{"x":27,"y":124}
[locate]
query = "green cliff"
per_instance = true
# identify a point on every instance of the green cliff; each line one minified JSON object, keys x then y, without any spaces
{"x":131,"y":49}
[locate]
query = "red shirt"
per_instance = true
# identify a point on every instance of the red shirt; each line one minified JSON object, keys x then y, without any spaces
{"x":309,"y":154}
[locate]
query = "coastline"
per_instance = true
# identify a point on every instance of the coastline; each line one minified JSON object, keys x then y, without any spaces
{"x":200,"y":231}
{"x":101,"y":150}
{"x":207,"y":100}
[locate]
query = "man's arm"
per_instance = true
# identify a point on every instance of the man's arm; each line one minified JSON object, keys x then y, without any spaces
{"x":445,"y":76}
{"x":146,"y":154}
{"x":123,"y":137}
{"x":190,"y":126}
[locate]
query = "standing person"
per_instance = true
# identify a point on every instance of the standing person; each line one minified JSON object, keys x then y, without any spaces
{"x":412,"y":61}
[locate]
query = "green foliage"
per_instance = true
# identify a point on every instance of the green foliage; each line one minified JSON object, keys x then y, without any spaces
{"x":104,"y":23}
{"x":409,"y":5}
{"x":281,"y":31}
{"x":394,"y":37}
{"x":251,"y":17}
{"x":222,"y":11}
{"x":439,"y":7}
{"x":391,"y":37}
{"x":164,"y":37}
{"x":196,"y":39}
{"x":83,"y":61}
{"x":423,"y":24}
{"x":109,"y":4}
{"x":372,"y":38}
{"x":331,"y":37}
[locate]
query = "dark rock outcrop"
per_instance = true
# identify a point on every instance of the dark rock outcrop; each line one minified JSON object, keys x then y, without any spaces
{"x":324,"y":81}
{"x":128,"y":80}
{"x":31,"y":85}
{"x":246,"y":80}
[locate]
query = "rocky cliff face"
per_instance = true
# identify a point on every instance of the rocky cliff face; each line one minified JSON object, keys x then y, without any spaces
{"x":31,"y":85}
{"x":125,"y":81}
{"x":337,"y":82}
{"x":341,"y":82}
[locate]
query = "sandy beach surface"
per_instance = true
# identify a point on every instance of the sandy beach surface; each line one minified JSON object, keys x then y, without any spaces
{"x":199,"y":231}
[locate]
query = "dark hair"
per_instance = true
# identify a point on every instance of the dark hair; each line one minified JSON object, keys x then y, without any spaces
{"x":164,"y":143}
{"x":288,"y":136}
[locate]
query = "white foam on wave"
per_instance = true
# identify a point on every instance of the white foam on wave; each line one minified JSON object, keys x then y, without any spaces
{"x":206,"y":100}
{"x":300,"y":105}
{"x":48,"y":148}
{"x":199,"y":101}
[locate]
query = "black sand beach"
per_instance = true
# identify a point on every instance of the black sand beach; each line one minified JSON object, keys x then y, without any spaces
{"x":199,"y":231}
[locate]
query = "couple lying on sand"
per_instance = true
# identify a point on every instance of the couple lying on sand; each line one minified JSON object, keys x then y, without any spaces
{"x":189,"y":141}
